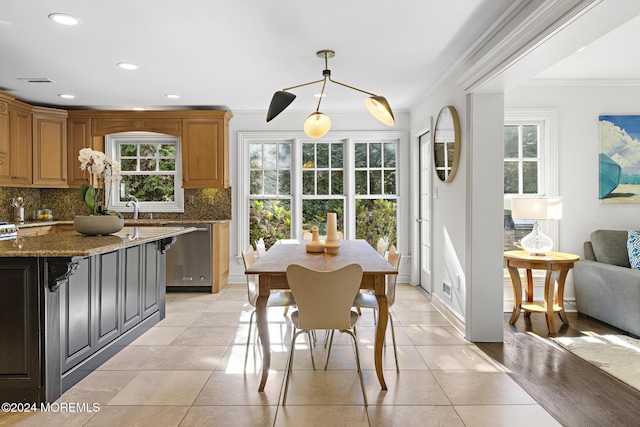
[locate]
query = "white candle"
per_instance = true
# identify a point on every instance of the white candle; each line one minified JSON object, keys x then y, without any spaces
{"x":332,"y":230}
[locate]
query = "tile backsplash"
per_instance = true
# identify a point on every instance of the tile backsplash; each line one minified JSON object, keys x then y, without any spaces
{"x":202,"y":204}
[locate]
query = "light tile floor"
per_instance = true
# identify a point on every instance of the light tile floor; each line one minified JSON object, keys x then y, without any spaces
{"x":189,"y":371}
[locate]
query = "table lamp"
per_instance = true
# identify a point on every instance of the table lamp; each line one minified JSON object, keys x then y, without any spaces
{"x":536,"y":208}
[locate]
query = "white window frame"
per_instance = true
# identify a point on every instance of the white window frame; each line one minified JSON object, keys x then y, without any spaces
{"x":111,"y":142}
{"x":297,"y":138}
{"x":548,"y":161}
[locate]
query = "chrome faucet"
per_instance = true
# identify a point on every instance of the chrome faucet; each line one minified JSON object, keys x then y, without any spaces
{"x":133,"y":202}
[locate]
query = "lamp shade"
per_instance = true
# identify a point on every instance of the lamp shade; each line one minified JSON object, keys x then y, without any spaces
{"x":317,"y":125}
{"x":279,"y":102}
{"x":537,"y":208}
{"x":380,"y":109}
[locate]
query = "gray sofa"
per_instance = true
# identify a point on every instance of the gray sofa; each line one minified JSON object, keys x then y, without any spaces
{"x":606,"y":286}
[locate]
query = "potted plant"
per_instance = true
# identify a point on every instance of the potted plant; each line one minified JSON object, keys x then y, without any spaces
{"x":103,"y":172}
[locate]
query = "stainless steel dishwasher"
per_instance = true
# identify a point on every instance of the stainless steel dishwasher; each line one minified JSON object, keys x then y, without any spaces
{"x":189,"y":260}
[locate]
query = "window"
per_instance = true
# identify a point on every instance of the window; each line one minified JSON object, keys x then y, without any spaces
{"x":292,"y":183}
{"x":376,"y":194}
{"x":521,"y":159}
{"x":530,"y":153}
{"x":322,"y":184}
{"x":151,"y":171}
{"x":269,"y":191}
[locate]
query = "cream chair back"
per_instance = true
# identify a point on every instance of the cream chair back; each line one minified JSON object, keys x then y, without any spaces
{"x":394,"y":260}
{"x":249,"y":258}
{"x":381,"y":246}
{"x":324,"y":298}
{"x":260,"y":247}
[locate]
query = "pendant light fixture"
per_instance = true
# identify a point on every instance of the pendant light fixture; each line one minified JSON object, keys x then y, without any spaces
{"x":318,"y":123}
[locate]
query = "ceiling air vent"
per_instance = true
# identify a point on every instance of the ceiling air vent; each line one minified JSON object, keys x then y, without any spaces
{"x":36,"y":79}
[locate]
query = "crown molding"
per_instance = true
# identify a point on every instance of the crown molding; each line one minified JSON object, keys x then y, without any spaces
{"x":586,"y":82}
{"x":524,"y":28}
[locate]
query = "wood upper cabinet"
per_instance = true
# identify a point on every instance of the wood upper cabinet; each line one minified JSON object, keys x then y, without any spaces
{"x":20,"y":126}
{"x":5,"y":173}
{"x":15,"y":144}
{"x":205,"y":151}
{"x":204,"y":140}
{"x":79,"y":137}
{"x":49,"y":148}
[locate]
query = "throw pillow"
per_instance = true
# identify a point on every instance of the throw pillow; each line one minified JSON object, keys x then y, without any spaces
{"x":633,"y":246}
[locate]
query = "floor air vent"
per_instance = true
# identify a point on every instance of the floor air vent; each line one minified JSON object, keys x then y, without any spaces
{"x":446,"y":288}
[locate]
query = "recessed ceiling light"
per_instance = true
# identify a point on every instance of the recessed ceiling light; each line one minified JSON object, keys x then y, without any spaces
{"x":127,"y":65}
{"x":318,"y":95}
{"x":64,"y":19}
{"x":66,"y":96}
{"x":172,"y":96}
{"x":36,"y":79}
{"x":137,"y":109}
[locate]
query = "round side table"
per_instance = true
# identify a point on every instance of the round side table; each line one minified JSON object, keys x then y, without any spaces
{"x":557,"y":266}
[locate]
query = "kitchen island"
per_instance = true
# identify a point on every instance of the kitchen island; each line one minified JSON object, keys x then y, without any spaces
{"x":69,"y":302}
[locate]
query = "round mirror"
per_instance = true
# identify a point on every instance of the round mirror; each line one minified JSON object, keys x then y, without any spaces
{"x":446,"y":144}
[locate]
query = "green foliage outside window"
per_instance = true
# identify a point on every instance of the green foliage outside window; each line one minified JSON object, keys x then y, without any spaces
{"x":147,"y":161}
{"x":376,"y":218}
{"x":314,"y":213}
{"x":269,"y":220}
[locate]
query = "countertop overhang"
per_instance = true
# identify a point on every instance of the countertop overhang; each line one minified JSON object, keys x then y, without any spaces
{"x":127,"y":222}
{"x":74,"y":244}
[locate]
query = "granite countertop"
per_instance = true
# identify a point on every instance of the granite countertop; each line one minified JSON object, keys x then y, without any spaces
{"x":127,"y":222}
{"x":72,"y":243}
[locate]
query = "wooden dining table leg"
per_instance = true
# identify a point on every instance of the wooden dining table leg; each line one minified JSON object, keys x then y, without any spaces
{"x":263,"y":328}
{"x":383,"y":319}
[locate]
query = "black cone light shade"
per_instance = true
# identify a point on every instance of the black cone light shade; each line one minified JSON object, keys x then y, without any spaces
{"x":279,"y":102}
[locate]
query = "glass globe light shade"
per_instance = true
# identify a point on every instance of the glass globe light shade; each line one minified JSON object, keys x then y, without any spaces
{"x":317,"y":125}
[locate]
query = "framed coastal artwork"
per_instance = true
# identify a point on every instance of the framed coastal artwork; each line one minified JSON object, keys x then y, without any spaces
{"x":619,"y":159}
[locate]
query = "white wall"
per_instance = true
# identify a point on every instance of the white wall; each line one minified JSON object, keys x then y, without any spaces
{"x":449,"y":206}
{"x":578,"y":111}
{"x":463,"y":218}
{"x":292,"y":121}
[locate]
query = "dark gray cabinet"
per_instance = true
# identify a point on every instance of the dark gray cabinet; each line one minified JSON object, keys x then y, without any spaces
{"x":132,"y":288}
{"x":20,"y":342}
{"x":151,"y":292}
{"x":76,"y":316}
{"x":108,"y":322}
{"x":50,"y":337}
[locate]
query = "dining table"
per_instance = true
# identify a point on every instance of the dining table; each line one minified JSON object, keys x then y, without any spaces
{"x":271,"y":270}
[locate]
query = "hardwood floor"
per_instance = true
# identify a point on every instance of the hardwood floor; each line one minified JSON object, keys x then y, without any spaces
{"x":572,"y":390}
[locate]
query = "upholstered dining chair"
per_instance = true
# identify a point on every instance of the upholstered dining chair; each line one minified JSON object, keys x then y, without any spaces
{"x":324,"y":300}
{"x":368,"y":300}
{"x":276,"y":298}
